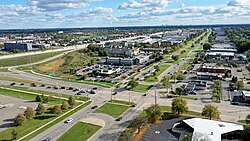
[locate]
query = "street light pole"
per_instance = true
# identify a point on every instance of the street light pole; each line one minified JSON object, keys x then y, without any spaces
{"x":111,"y":95}
{"x":155,"y":96}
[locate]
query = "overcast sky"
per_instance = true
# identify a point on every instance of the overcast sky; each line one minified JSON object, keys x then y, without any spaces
{"x":105,"y":13}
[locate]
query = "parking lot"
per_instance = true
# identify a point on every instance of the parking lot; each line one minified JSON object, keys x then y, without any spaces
{"x":10,"y":107}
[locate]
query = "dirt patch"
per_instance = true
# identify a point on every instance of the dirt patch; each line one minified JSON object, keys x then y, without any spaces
{"x":52,"y":66}
{"x":95,"y":121}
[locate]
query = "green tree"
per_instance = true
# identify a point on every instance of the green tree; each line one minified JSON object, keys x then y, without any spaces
{"x":210,"y":112}
{"x":72,"y":101}
{"x":20,"y":119}
{"x":57,"y":109}
{"x":207,"y":46}
{"x":40,"y":109}
{"x":154,"y":113}
{"x":29,"y":113}
{"x":180,"y":76}
{"x":179,"y":90}
{"x":245,"y":134}
{"x":38,"y":98}
{"x":179,"y":106}
{"x":166,"y":83}
{"x":138,"y":122}
{"x":132,"y":83}
{"x":175,"y":57}
{"x":65,"y":105}
{"x":14,"y":134}
{"x":157,"y":68}
{"x":125,"y":136}
{"x":239,"y":85}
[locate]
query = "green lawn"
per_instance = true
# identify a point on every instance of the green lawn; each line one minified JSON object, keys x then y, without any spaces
{"x":113,"y":110}
{"x":80,"y":132}
{"x":133,"y":76}
{"x":142,"y":88}
{"x":20,"y":80}
{"x":27,"y":59}
{"x":26,"y":96}
{"x":244,"y":121}
{"x":189,"y":113}
{"x":4,"y":70}
{"x":121,"y":102}
{"x":153,"y":78}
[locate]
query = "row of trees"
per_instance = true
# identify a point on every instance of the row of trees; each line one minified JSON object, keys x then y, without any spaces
{"x":30,"y":113}
{"x":217,"y":91}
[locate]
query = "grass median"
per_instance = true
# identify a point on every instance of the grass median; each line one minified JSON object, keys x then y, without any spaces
{"x":142,"y":88}
{"x":80,"y":132}
{"x":113,"y":110}
{"x":27,"y":59}
{"x":153,"y":78}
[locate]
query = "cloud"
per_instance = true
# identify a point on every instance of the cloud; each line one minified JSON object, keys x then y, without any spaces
{"x":57,"y":5}
{"x":139,"y":4}
{"x":244,"y":3}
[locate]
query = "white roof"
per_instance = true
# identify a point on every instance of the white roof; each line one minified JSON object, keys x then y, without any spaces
{"x":246,"y":93}
{"x":221,"y":53}
{"x":210,"y":130}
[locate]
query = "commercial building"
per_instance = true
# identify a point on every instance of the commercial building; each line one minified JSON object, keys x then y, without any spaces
{"x":152,"y":50}
{"x":215,"y":69}
{"x":121,"y":51}
{"x":222,"y":50}
{"x":210,"y":130}
{"x":127,"y":61}
{"x":209,"y":76}
{"x":18,"y":46}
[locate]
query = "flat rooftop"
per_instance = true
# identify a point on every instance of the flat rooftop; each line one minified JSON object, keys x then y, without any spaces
{"x":210,"y":130}
{"x":220,"y":53}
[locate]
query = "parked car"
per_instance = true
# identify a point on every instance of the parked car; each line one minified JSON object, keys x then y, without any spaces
{"x":82,"y":91}
{"x":119,"y":119}
{"x":33,"y":85}
{"x":69,"y":120}
{"x":92,"y":92}
{"x":78,"y":93}
{"x":56,"y":87}
{"x":115,"y":93}
{"x":94,"y":107}
{"x":12,"y":84}
{"x":63,"y":87}
{"x":21,"y":84}
{"x":144,"y":95}
{"x":71,"y":88}
{"x":48,"y":87}
{"x":42,"y":85}
{"x":95,"y":88}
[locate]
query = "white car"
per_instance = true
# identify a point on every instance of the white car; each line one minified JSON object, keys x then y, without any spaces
{"x":69,"y":120}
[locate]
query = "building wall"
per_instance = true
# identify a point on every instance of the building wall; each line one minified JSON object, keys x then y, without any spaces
{"x":13,"y":46}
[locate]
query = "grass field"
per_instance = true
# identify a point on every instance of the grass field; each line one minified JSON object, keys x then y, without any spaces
{"x":142,"y":88}
{"x":80,"y":132}
{"x":4,"y":70}
{"x":26,"y":96}
{"x":113,"y":110}
{"x":27,"y":59}
{"x":152,"y":78}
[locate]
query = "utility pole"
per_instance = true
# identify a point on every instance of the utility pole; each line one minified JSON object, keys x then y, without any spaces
{"x":155,"y":96}
{"x":129,"y":98}
{"x":111,"y":95}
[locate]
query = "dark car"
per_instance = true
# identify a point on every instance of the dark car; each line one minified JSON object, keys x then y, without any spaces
{"x":33,"y":85}
{"x":94,"y":107}
{"x":95,"y":88}
{"x":71,"y":88}
{"x":12,"y":84}
{"x":92,"y":92}
{"x":48,"y":87}
{"x":63,"y":87}
{"x":21,"y":84}
{"x":115,"y":93}
{"x":47,"y":139}
{"x":118,"y":119}
{"x":144,"y":95}
{"x":134,"y":105}
{"x":78,"y":93}
{"x":42,"y":85}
